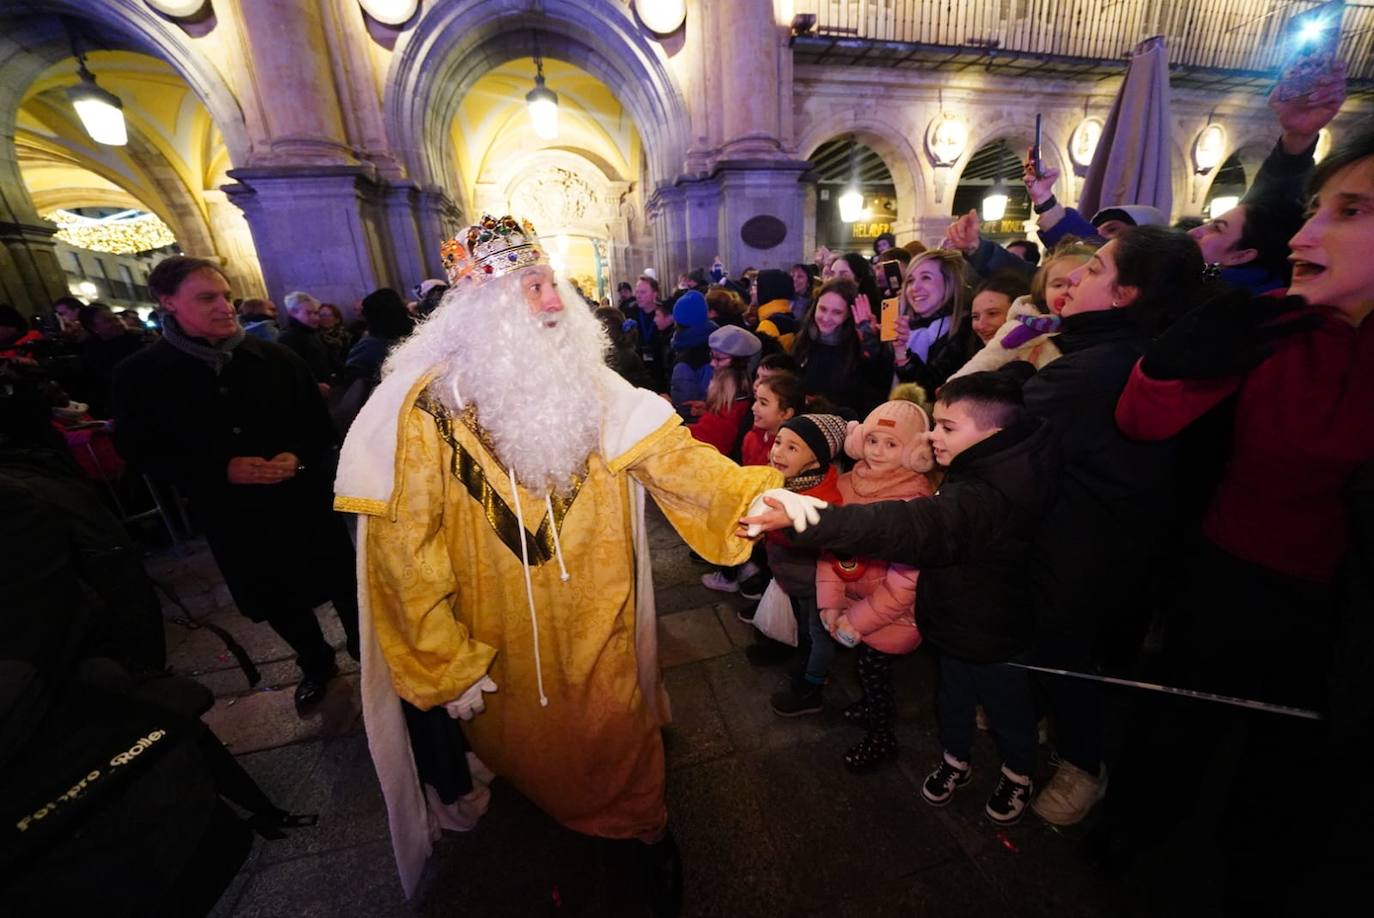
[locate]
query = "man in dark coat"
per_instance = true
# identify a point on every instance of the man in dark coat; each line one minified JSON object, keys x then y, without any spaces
{"x":302,"y":336}
{"x":239,"y":423}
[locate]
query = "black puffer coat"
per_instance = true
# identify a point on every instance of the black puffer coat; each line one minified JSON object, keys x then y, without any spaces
{"x":970,"y":541}
{"x":1097,"y":541}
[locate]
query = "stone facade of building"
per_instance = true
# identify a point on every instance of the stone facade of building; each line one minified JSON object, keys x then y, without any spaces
{"x":337,"y":169}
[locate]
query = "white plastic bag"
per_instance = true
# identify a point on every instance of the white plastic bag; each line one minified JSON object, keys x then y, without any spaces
{"x":774,"y":615}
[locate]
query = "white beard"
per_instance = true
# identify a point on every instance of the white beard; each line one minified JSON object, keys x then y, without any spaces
{"x":533,"y":387}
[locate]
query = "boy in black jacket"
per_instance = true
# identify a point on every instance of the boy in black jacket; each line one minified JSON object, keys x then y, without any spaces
{"x":971,"y":542}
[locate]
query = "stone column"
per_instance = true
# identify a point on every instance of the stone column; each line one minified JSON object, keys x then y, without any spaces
{"x":30,"y":275}
{"x":703,"y":238}
{"x":408,"y":261}
{"x":233,"y":241}
{"x":749,"y":190}
{"x":439,"y":219}
{"x":667,"y":210}
{"x":749,"y":47}
{"x":320,"y":228}
{"x":290,"y":63}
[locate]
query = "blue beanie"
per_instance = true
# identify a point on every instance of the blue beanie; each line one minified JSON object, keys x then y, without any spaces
{"x":690,"y":309}
{"x":690,"y":336}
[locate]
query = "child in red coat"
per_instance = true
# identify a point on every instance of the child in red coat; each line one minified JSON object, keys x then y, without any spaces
{"x":804,"y":450}
{"x":777,"y":399}
{"x":869,"y":600}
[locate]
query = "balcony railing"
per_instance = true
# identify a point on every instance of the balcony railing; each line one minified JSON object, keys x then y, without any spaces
{"x":1241,"y":37}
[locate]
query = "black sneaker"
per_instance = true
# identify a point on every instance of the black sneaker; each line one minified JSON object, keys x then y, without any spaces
{"x":1009,"y":798}
{"x":800,"y":698}
{"x":950,"y":775}
{"x":746,"y":614}
{"x":752,"y":588}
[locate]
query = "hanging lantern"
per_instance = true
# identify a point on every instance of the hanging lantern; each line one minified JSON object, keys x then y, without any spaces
{"x":542,"y":102}
{"x":995,"y":204}
{"x":851,"y":205}
{"x":101,"y":112}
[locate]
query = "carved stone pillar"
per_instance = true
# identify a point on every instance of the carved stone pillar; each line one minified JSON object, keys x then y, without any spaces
{"x":323,"y":229}
{"x":30,"y":275}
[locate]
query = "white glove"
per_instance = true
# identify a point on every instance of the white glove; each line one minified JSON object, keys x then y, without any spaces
{"x":470,"y":702}
{"x":803,"y":510}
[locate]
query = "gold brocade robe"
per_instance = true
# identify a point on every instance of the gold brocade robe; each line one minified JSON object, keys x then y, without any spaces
{"x":445,"y":582}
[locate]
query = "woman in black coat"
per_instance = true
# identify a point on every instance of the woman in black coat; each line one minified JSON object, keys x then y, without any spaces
{"x":240,"y":425}
{"x":841,"y":359}
{"x":1098,"y":541}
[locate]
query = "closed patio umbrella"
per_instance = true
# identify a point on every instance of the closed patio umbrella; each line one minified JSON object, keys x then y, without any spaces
{"x":1132,"y":162}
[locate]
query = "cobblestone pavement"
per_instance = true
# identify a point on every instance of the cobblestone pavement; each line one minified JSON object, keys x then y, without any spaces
{"x":768,"y":819}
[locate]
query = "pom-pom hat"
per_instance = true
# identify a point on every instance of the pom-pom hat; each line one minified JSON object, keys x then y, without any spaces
{"x":906,"y":423}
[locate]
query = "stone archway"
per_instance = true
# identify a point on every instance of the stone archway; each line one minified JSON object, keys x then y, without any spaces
{"x":34,"y":39}
{"x":454,"y":44}
{"x":895,"y":151}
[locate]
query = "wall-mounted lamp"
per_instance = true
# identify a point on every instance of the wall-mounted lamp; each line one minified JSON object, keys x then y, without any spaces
{"x":389,"y":12}
{"x":946,"y":139}
{"x":1208,"y":148}
{"x":662,"y":17}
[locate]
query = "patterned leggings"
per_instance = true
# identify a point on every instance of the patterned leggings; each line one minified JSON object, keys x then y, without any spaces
{"x":875,"y":678}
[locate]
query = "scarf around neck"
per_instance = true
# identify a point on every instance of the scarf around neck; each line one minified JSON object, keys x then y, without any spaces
{"x":215,"y":356}
{"x":868,"y":482}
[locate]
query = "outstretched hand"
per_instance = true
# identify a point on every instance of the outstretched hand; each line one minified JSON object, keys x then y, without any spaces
{"x":770,"y":520}
{"x":778,"y":508}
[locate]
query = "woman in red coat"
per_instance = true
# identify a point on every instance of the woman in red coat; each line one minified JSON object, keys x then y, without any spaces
{"x":1258,"y":605}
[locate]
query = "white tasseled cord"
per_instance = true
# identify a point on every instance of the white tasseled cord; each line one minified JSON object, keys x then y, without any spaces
{"x":557,"y":547}
{"x":529,"y":588}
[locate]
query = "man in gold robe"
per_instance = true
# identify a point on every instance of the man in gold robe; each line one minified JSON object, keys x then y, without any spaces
{"x":499,"y":472}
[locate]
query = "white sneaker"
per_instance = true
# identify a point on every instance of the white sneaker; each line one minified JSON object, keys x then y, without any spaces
{"x":716,"y":580}
{"x":1070,"y":795}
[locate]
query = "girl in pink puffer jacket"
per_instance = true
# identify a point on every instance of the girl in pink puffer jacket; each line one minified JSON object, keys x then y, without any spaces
{"x":866,"y":599}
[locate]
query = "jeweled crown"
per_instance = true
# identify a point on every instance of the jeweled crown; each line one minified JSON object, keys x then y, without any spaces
{"x":490,"y":248}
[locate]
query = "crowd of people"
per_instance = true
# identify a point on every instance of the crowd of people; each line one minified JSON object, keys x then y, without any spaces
{"x":1127,"y":450}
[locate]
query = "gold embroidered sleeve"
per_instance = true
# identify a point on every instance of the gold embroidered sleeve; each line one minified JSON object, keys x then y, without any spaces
{"x":411,"y":583}
{"x":702,"y":493}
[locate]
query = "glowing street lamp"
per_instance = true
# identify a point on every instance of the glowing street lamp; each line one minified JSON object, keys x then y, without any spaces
{"x":543,"y":104}
{"x":995,"y":204}
{"x":100,"y":111}
{"x":851,"y":205}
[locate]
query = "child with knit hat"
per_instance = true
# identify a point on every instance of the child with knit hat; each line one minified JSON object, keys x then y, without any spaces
{"x":870,"y":600}
{"x":692,"y":372}
{"x":803,"y":451}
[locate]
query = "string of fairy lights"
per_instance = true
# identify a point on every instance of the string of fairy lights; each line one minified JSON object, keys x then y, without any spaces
{"x":126,"y":233}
